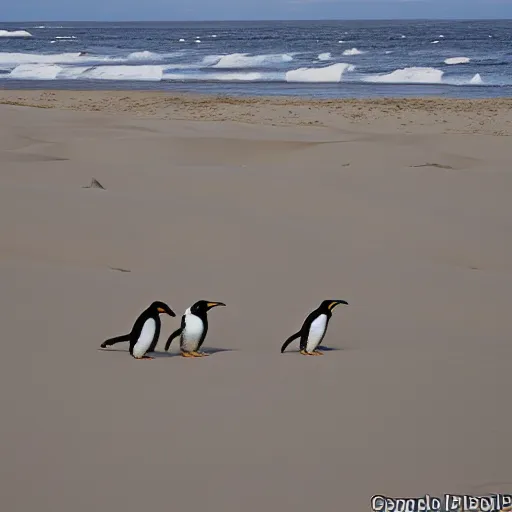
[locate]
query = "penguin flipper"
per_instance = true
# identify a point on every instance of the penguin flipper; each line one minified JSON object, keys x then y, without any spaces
{"x":175,"y":334}
{"x":113,"y":341}
{"x":289,"y":340}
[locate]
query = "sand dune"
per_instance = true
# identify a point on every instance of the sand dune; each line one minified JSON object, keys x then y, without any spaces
{"x":412,"y":229}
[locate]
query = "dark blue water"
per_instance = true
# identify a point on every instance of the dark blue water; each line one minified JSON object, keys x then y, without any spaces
{"x":317,"y":58}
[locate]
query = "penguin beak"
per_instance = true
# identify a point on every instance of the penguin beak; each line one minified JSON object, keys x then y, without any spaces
{"x":334,"y":303}
{"x":169,"y":311}
{"x":215,"y":304}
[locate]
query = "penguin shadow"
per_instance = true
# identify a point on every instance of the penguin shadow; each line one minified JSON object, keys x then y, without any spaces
{"x":210,"y":351}
{"x":321,"y":348}
{"x":329,"y":349}
{"x":215,"y":350}
{"x":336,"y":349}
{"x":155,"y":355}
{"x":164,"y":355}
{"x":106,"y":349}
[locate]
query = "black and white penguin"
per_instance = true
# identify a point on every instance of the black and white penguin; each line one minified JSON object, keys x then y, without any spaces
{"x":145,"y":331}
{"x":314,"y":328}
{"x":193,"y":330}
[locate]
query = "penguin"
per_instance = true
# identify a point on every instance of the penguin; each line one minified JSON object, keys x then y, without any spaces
{"x":193,"y":329}
{"x":145,"y":331}
{"x":314,"y":328}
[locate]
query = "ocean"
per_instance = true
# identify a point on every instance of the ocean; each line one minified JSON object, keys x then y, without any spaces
{"x":321,"y":59}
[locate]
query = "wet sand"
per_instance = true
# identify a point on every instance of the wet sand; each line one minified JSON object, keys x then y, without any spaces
{"x":408,"y":219}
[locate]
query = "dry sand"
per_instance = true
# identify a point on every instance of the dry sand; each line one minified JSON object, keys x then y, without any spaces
{"x":414,"y":396}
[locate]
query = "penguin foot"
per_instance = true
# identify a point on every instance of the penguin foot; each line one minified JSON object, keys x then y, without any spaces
{"x":200,"y":354}
{"x":144,"y":357}
{"x":315,"y":353}
{"x":188,"y":354}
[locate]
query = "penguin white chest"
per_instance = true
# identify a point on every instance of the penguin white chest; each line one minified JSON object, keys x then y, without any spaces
{"x":316,"y":332}
{"x":192,"y":333}
{"x":146,"y":337}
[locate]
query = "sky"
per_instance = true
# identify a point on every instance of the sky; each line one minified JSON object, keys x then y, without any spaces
{"x":194,"y":10}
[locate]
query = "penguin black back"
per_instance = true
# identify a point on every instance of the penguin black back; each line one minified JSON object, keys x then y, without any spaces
{"x":145,"y":331}
{"x":314,"y":328}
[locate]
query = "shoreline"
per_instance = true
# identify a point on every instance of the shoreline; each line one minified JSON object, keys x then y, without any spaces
{"x":406,"y":115}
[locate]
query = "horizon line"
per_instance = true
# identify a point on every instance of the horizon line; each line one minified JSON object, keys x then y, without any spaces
{"x":253,"y":20}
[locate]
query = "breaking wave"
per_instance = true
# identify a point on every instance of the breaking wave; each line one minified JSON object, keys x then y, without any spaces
{"x":476,"y":80}
{"x":243,"y":60}
{"x":457,"y":60}
{"x":145,"y":55}
{"x":415,"y":75}
{"x":35,"y":72}
{"x":146,"y":73}
{"x":353,"y":51}
{"x":56,"y":58}
{"x":217,"y":77}
{"x":327,"y":74}
{"x":14,"y":59}
{"x":15,"y":33}
{"x":325,"y":56}
{"x":196,"y":65}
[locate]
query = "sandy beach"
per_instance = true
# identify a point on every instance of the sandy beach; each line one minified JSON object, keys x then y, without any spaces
{"x":401,"y":207}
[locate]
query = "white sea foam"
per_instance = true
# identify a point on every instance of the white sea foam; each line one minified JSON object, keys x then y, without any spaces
{"x":220,"y":77}
{"x":35,"y":72}
{"x":243,"y":60}
{"x":36,"y":58}
{"x":182,"y":40}
{"x":402,"y":36}
{"x":239,"y":77}
{"x":15,"y":33}
{"x":333,"y":73}
{"x":145,"y":55}
{"x":341,"y":41}
{"x":415,"y":75}
{"x":72,"y":72}
{"x":457,"y":60}
{"x":353,"y":51}
{"x":213,"y":35}
{"x":387,"y":52}
{"x":179,"y":66}
{"x":55,"y":58}
{"x":477,"y":79}
{"x":325,"y":56}
{"x":197,"y":41}
{"x":65,"y":37}
{"x":434,"y":42}
{"x":210,"y":60}
{"x":146,"y":73}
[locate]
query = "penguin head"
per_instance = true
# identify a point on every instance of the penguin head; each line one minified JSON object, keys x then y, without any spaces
{"x":162,"y":307}
{"x":329,"y":305}
{"x":203,"y":306}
